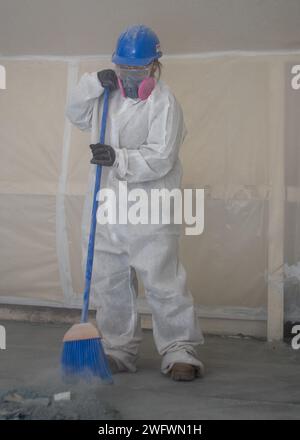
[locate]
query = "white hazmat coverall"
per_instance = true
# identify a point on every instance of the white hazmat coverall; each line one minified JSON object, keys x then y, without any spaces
{"x":146,"y":136}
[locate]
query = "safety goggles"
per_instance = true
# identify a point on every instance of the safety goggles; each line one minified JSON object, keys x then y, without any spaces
{"x":135,"y":72}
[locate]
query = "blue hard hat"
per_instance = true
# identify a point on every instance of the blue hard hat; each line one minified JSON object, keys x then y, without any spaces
{"x":138,"y":45}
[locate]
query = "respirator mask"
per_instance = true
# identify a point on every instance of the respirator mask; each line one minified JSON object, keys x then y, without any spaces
{"x":135,"y":82}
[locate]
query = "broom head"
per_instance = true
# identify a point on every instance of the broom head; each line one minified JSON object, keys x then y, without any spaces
{"x":83,"y":355}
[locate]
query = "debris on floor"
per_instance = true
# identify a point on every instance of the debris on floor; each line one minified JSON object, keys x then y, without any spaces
{"x":13,"y":397}
{"x":80,"y":404}
{"x":62,"y":396}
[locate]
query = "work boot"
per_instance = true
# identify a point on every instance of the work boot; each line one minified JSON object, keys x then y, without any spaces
{"x":184,"y":372}
{"x":114,"y":366}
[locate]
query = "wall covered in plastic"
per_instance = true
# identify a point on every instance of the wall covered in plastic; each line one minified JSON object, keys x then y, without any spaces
{"x":231,"y":109}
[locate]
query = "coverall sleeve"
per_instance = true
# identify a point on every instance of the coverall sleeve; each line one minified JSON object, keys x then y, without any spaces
{"x":158,"y":155}
{"x":81,"y":102}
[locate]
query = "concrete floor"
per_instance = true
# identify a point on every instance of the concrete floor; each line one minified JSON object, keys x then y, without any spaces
{"x":245,"y":379}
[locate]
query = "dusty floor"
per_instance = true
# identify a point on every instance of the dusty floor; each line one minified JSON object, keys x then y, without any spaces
{"x":245,"y":379}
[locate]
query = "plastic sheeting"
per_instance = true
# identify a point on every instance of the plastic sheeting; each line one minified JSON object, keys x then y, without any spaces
{"x":292,"y":204}
{"x":31,"y":133}
{"x":44,"y":170}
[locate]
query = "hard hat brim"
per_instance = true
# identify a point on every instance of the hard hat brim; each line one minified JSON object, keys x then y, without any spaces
{"x":134,"y":61}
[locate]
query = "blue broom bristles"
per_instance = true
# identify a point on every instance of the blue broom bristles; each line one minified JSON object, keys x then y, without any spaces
{"x":85,"y":358}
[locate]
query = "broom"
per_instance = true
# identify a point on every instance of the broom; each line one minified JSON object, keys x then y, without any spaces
{"x":82,"y":354}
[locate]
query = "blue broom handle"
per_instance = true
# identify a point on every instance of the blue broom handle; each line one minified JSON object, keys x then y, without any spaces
{"x":90,"y":253}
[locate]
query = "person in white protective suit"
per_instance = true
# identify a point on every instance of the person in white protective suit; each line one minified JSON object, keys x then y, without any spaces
{"x":145,"y":129}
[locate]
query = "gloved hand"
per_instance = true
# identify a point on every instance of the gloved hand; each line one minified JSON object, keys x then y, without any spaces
{"x":103,"y":155}
{"x":108,"y":78}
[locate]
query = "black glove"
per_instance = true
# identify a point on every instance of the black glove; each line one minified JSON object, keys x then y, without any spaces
{"x":103,"y":155}
{"x":108,"y":78}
